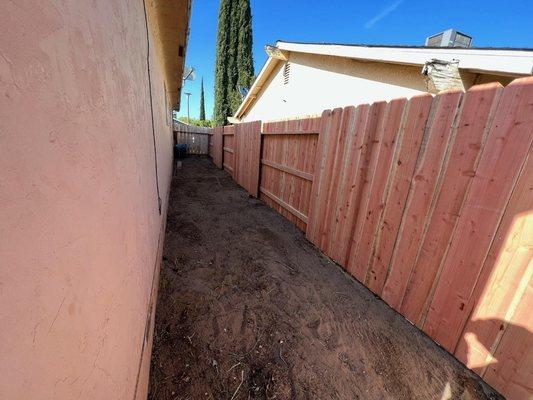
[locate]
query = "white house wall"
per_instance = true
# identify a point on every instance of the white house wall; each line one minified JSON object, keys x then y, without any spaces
{"x":317,"y":83}
{"x":320,"y":82}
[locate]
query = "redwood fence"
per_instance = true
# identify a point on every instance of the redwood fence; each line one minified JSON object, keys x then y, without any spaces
{"x":428,"y":202}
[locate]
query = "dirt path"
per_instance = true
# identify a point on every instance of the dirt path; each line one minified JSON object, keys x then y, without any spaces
{"x":249,"y":309}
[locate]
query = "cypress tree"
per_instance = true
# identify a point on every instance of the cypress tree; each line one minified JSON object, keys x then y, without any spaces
{"x":245,"y":61}
{"x":234,"y":65}
{"x":202,"y":102}
{"x":221,"y":64}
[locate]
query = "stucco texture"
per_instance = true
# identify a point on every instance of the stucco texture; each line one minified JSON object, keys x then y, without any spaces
{"x":79,"y":217}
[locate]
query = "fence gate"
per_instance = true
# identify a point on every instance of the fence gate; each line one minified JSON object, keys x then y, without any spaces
{"x":287,"y":167}
{"x":247,"y":140}
{"x":228,"y":147}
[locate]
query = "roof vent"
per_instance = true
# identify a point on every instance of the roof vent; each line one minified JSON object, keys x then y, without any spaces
{"x":449,"y":38}
{"x":286,"y":73}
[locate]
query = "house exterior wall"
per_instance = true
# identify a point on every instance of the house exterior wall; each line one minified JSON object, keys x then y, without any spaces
{"x":79,"y":220}
{"x":318,"y":82}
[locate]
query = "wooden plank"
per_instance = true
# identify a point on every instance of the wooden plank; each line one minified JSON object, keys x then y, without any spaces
{"x":351,"y":183}
{"x":327,"y":140}
{"x":248,"y":143}
{"x":229,"y":150}
{"x":292,"y":171}
{"x":511,"y":372}
{"x":228,"y":167}
{"x":295,"y":152}
{"x":217,"y":141}
{"x":367,"y":146}
{"x":420,"y":198}
{"x":479,"y":106}
{"x":360,"y":253}
{"x":418,"y":110}
{"x":338,"y":166}
{"x":504,"y":278}
{"x":501,"y":161}
{"x":229,"y":159}
{"x":303,"y":132}
{"x":285,"y":205}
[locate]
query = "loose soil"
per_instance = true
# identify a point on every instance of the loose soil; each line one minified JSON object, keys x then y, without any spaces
{"x":249,"y":309}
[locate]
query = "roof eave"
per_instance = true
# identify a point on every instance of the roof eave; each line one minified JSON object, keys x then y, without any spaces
{"x":268,"y":67}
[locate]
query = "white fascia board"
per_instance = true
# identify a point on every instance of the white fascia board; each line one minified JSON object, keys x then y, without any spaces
{"x":256,"y":86}
{"x":491,"y":61}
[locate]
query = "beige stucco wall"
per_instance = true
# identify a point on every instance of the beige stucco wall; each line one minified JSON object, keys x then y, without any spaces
{"x":79,"y":222}
{"x":319,"y":83}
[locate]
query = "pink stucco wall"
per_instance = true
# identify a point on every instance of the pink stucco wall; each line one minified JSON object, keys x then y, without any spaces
{"x":79,"y":220}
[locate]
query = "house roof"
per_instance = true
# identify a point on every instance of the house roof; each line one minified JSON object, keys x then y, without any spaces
{"x":511,"y":62}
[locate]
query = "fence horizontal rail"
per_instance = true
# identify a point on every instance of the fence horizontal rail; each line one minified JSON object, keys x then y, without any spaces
{"x":291,"y":133}
{"x":292,"y":171}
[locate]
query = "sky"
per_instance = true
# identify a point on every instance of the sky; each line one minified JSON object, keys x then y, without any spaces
{"x":392,"y":22}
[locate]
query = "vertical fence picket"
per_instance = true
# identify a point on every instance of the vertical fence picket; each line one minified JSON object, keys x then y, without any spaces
{"x":360,"y":253}
{"x":420,"y":198}
{"x":418,"y":111}
{"x":502,"y":158}
{"x":476,"y":117}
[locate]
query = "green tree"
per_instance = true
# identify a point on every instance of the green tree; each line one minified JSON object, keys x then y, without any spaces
{"x":221,"y":69}
{"x":197,"y":122}
{"x":202,"y":102}
{"x":245,"y":60}
{"x":234,"y":59}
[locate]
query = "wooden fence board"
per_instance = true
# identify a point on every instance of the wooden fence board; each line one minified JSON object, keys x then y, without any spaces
{"x":476,"y":116}
{"x":360,"y":252}
{"x":217,"y":151}
{"x":247,"y":140}
{"x":512,"y":371}
{"x":368,"y":149}
{"x":418,"y":110}
{"x":334,"y":202}
{"x":501,"y":161}
{"x":352,"y":183}
{"x":288,"y":154}
{"x":326,"y":149}
{"x":229,"y":149}
{"x":504,"y":279}
{"x":421,"y":194}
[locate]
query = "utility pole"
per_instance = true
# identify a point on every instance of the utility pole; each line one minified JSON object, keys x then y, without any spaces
{"x":188,"y":113}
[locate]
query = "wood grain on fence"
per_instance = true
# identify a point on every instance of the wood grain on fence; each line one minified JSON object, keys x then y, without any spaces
{"x":229,"y":149}
{"x":217,"y":146}
{"x":502,"y":159}
{"x":470,"y":135}
{"x":287,"y":167}
{"x":247,"y":139}
{"x":429,"y":203}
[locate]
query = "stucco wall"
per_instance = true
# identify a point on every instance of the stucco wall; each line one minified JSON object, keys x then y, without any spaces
{"x":79,"y":217}
{"x":318,"y":83}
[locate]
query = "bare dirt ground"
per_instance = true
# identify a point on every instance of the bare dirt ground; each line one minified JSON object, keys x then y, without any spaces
{"x":249,"y":309}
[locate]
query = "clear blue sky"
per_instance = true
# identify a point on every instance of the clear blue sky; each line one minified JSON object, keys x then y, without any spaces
{"x":492,"y":23}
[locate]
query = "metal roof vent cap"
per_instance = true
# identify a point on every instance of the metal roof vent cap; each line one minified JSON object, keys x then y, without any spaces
{"x":449,"y":38}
